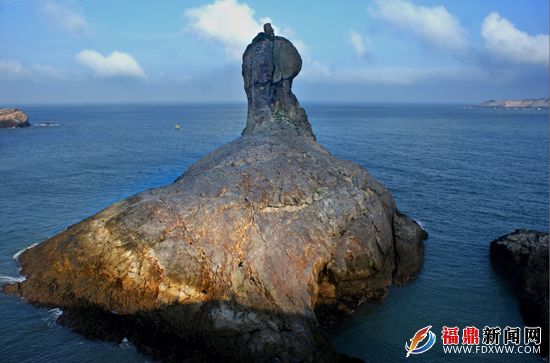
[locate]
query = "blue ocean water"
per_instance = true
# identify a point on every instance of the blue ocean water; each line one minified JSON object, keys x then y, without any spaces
{"x":468,"y":175}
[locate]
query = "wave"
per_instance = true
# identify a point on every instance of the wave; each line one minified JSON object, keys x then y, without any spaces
{"x":52,"y":316}
{"x":419,"y":223}
{"x":17,"y":254}
{"x":5,"y":279}
{"x":47,"y":124}
{"x":124,"y":343}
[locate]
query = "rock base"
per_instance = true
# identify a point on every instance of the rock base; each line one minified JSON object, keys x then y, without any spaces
{"x":522,"y":257}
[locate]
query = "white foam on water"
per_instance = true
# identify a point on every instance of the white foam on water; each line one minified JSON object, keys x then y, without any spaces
{"x":5,"y":279}
{"x":419,"y":223}
{"x":16,"y":256}
{"x":124,"y":343}
{"x":47,"y":124}
{"x":52,"y":316}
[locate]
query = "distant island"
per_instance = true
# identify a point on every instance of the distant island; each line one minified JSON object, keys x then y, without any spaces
{"x":13,"y":117}
{"x":525,"y":103}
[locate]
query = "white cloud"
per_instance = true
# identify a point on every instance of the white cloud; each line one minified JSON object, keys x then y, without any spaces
{"x":233,"y":25}
{"x":48,"y":71}
{"x":228,"y":22}
{"x":12,"y":69}
{"x":63,"y":16}
{"x":433,"y":25}
{"x":503,"y":40}
{"x":357,"y":43}
{"x":115,"y":64}
{"x":314,"y":70}
{"x":400,"y":76}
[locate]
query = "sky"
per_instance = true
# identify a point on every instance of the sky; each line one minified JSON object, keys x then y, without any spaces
{"x":90,"y":51}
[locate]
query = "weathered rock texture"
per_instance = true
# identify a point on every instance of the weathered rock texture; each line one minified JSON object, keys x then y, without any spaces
{"x":241,"y":251}
{"x":522,"y":257}
{"x":270,"y":63}
{"x":12,"y":117}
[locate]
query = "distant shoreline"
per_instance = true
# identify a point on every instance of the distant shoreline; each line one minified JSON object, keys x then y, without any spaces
{"x":527,"y":103}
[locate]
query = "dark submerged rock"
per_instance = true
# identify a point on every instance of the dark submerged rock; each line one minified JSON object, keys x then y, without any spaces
{"x":522,"y":257}
{"x":243,"y":253}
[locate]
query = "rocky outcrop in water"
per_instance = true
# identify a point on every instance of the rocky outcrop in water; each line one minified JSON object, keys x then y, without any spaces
{"x":245,"y":252}
{"x":525,"y":103}
{"x":522,"y":257}
{"x":13,"y":117}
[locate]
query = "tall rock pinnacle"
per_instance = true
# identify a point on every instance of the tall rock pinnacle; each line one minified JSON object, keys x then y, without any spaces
{"x":242,"y":257}
{"x":270,"y":63}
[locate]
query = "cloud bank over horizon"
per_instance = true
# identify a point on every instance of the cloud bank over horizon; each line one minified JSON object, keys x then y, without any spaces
{"x":188,"y":52}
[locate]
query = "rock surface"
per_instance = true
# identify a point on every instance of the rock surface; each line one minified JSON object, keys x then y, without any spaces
{"x":247,"y":250}
{"x":522,"y":257}
{"x":12,"y":117}
{"x":525,"y":103}
{"x":270,"y":63}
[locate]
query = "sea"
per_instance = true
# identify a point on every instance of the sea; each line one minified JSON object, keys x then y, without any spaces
{"x":467,"y":175}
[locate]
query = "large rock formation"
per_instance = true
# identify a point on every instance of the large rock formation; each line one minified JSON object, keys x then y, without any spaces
{"x":270,"y":64}
{"x":522,"y":257}
{"x":245,"y":251}
{"x":12,"y":117}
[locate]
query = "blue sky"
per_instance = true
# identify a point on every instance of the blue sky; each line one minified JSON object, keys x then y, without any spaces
{"x":67,"y":51}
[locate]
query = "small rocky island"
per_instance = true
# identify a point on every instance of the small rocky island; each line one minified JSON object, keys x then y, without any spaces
{"x":530,"y":103}
{"x":242,"y":257}
{"x":522,"y":257}
{"x":13,"y":117}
